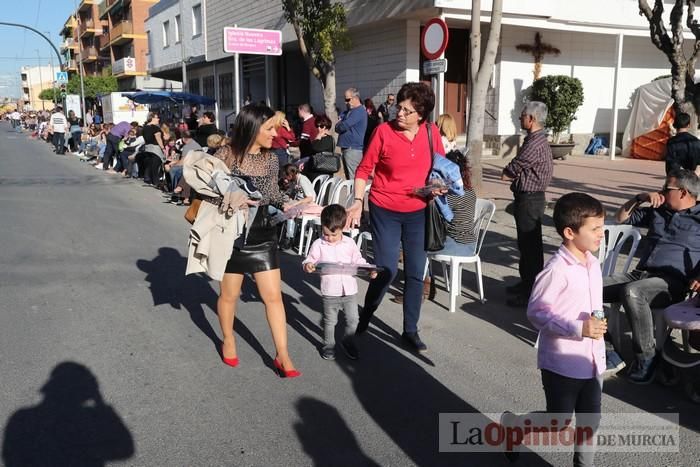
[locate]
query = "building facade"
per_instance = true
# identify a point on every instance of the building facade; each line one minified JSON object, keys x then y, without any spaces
{"x":34,"y":79}
{"x":612,"y":58}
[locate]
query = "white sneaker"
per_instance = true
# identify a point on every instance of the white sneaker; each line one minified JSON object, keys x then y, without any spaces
{"x":98,"y":166}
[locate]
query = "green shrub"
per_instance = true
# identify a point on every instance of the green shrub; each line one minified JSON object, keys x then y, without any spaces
{"x":563,"y":95}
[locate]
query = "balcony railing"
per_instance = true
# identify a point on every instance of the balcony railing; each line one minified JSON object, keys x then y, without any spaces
{"x":86,"y":24}
{"x":85,"y":4}
{"x":121,"y":28}
{"x":90,"y":53}
{"x":69,"y":43}
{"x":104,"y":40}
{"x":124,"y":65}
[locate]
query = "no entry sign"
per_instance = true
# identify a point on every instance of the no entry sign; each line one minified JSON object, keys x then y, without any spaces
{"x":433,"y":40}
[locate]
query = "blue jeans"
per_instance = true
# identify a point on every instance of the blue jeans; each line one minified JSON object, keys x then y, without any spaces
{"x":391,"y":230}
{"x":454,"y":248}
{"x":175,"y":174}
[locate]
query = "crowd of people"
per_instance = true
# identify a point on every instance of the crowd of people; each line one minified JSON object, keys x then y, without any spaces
{"x":388,"y":151}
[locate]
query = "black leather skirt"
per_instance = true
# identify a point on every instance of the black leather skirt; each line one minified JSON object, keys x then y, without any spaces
{"x":260,"y":250}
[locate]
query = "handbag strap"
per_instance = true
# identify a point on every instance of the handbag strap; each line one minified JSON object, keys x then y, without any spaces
{"x":428,"y":127}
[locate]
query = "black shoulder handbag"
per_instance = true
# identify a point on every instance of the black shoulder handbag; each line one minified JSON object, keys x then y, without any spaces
{"x":435,"y":226}
{"x":325,"y":162}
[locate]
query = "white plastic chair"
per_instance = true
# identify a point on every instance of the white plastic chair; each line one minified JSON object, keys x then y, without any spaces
{"x":324,"y":194}
{"x":318,"y":182}
{"x":343,"y":192}
{"x":363,"y":238}
{"x":616,"y":236}
{"x":483,"y":213}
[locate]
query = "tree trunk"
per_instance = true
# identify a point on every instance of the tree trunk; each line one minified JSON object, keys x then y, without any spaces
{"x":329,"y":96}
{"x":480,"y":75}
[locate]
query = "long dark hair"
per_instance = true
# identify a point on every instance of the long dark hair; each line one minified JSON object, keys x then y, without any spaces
{"x":246,"y":128}
{"x":465,"y":170}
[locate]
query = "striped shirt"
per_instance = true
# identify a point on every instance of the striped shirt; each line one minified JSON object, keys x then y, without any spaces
{"x":461,"y":229}
{"x":532,"y":168}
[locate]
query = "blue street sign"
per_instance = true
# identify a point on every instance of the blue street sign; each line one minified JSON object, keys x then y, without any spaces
{"x":62,"y":76}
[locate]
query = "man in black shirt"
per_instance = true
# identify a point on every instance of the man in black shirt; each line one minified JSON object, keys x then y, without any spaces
{"x":682,"y":150}
{"x":191,"y":121}
{"x":206,"y":127}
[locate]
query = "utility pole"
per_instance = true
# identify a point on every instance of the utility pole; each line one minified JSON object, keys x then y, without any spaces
{"x":182,"y":50}
{"x":41,"y":78}
{"x":53,"y":72}
{"x":81,"y":70}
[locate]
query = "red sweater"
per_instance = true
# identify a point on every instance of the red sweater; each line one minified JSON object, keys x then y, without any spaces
{"x":399,"y":166}
{"x":283,"y":138}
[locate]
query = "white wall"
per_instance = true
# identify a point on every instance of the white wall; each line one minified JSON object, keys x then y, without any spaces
{"x":589,"y":57}
{"x":160,"y":56}
{"x":383,"y":57}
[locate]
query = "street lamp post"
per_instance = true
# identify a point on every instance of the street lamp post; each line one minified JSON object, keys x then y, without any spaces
{"x":81,"y":70}
{"x":41,"y":79}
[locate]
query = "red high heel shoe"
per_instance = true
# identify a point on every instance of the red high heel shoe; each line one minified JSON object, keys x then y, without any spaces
{"x":285,"y":373}
{"x":229,"y":361}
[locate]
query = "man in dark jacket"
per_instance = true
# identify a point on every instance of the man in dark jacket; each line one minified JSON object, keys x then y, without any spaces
{"x":206,"y":127}
{"x":669,"y":265}
{"x":682,"y":150}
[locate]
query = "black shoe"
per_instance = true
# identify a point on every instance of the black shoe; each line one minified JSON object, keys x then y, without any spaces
{"x":349,"y":348}
{"x":643,"y":370}
{"x":363,"y":323}
{"x":413,"y":340}
{"x":519,"y":301}
{"x":328,"y":353}
{"x":515,"y":289}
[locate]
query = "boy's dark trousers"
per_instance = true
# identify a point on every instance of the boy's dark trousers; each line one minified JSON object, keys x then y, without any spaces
{"x":528,"y":210}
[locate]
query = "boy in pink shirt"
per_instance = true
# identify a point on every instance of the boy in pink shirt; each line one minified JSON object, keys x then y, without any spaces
{"x":339,"y":290}
{"x":571,"y":350}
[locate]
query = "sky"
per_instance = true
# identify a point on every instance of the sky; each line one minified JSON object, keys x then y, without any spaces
{"x":20,"y":46}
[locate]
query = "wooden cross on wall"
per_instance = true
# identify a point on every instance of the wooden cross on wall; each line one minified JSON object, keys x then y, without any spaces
{"x":538,"y":50}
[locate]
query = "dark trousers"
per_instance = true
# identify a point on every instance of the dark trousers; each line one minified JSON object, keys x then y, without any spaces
{"x":581,"y":396}
{"x":111,"y":151}
{"x":75,"y":138}
{"x":59,"y":142}
{"x":639,"y":292}
{"x":149,"y":166}
{"x":528,"y":210}
{"x":390,"y":231}
{"x":566,"y":396}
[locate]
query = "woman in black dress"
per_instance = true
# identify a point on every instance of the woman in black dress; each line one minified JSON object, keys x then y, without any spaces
{"x":249,"y":155}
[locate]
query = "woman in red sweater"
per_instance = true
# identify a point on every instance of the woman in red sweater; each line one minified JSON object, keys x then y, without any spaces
{"x":285,"y":135}
{"x":399,"y":155}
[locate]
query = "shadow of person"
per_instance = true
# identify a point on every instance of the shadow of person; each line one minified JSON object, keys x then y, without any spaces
{"x":325,"y":436}
{"x":168,"y":285}
{"x":72,"y":425}
{"x":406,"y":401}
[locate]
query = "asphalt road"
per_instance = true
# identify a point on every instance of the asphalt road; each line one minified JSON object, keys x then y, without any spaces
{"x":108,"y":352}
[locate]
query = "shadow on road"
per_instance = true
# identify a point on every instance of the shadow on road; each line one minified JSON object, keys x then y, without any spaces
{"x":326,"y":437}
{"x":72,"y":425}
{"x":168,"y":284}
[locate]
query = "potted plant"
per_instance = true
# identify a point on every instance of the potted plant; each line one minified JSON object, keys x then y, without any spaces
{"x":563,"y":95}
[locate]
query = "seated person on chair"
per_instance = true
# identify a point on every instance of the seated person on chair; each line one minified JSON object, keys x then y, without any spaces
{"x":461,"y":238}
{"x":667,"y":269}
